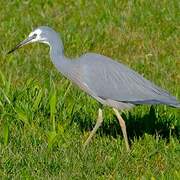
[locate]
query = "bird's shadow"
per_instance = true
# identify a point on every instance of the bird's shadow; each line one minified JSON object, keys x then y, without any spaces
{"x":136,"y":126}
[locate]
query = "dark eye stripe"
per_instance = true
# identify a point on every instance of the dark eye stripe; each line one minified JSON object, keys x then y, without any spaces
{"x":34,"y":35}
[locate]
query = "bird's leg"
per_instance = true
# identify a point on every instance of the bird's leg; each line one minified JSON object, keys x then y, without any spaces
{"x":98,"y":123}
{"x":123,"y":127}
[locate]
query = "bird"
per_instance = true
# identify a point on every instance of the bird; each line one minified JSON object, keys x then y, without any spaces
{"x":109,"y":82}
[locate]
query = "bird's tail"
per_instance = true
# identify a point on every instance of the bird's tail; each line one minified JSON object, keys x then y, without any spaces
{"x":164,"y":97}
{"x":167,"y":100}
{"x":171,"y":101}
{"x":176,"y":104}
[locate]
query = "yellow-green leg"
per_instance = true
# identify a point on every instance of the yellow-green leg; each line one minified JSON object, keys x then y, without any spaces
{"x":98,"y":123}
{"x":123,"y":127}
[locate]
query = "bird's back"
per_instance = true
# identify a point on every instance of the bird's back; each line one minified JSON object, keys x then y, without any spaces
{"x":109,"y":80}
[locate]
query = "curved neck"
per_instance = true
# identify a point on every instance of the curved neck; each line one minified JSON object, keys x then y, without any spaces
{"x":57,"y":55}
{"x":56,"y":47}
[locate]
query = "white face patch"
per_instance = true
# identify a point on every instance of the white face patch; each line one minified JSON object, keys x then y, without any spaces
{"x":38,"y":36}
{"x":37,"y":31}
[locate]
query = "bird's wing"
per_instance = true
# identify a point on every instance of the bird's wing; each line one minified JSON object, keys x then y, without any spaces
{"x":109,"y":79}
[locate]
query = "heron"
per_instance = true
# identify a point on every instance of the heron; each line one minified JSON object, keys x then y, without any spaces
{"x":109,"y":82}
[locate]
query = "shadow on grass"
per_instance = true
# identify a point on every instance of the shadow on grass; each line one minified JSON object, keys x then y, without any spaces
{"x":136,"y":126}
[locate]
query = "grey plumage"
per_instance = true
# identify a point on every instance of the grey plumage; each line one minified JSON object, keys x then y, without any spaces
{"x":108,"y":81}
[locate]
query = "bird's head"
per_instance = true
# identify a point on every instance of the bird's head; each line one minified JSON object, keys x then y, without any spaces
{"x":42,"y":34}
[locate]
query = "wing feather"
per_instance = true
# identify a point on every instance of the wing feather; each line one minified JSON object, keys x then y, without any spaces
{"x":109,"y":79}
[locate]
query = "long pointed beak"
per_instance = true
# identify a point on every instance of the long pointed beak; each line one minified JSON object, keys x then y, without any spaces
{"x":26,"y":41}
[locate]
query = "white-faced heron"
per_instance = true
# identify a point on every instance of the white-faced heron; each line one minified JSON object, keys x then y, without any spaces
{"x":109,"y":82}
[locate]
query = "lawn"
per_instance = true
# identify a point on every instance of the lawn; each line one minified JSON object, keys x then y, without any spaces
{"x":45,"y":119}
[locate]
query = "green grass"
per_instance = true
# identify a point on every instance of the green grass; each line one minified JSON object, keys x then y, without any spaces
{"x":44,"y":119}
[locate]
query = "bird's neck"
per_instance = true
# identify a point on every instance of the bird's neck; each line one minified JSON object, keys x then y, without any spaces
{"x":57,"y":55}
{"x":56,"y":48}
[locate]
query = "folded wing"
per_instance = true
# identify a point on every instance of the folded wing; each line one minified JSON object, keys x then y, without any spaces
{"x":109,"y":79}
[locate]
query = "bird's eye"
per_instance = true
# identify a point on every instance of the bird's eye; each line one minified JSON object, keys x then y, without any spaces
{"x":35,"y":35}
